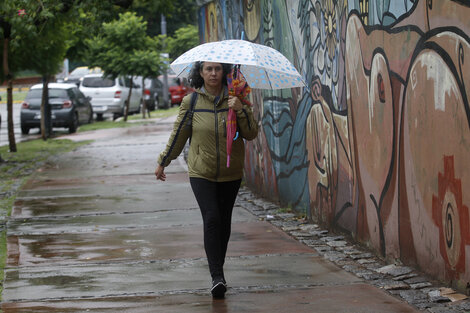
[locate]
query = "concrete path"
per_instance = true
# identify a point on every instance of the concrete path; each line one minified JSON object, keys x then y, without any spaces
{"x":94,"y":232}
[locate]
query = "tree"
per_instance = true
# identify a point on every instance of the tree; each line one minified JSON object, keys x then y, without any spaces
{"x":47,"y":47}
{"x":91,"y":14}
{"x":147,"y":64}
{"x":178,"y":13}
{"x":33,"y":37}
{"x":6,"y":27}
{"x":185,"y":38}
{"x":124,"y":49}
{"x":36,"y":34}
{"x":8,"y":31}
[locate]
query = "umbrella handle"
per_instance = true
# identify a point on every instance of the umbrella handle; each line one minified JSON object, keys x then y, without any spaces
{"x":236,"y":136}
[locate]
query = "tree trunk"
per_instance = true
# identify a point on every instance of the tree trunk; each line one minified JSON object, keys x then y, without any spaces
{"x":144,"y":104}
{"x":11,"y":129}
{"x":45,"y":109}
{"x":6,"y":71}
{"x":126,"y":111}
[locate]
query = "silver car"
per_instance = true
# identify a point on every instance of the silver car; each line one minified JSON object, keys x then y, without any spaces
{"x":110,"y":95}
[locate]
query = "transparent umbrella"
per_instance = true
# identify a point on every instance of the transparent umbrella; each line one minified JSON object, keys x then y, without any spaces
{"x":262,"y":66}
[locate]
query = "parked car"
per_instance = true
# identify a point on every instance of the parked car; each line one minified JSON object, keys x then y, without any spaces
{"x":177,"y":87}
{"x":69,"y":107}
{"x":76,"y":76}
{"x":110,"y":95}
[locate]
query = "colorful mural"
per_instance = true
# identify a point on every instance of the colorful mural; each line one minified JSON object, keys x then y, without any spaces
{"x":377,"y":144}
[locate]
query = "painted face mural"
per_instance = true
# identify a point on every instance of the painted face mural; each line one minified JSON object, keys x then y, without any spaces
{"x":379,"y":141}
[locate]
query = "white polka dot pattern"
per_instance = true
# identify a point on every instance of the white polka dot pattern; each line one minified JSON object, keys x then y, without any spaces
{"x":262,"y":66}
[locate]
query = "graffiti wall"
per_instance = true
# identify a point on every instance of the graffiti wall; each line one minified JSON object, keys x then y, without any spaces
{"x":378,"y":142}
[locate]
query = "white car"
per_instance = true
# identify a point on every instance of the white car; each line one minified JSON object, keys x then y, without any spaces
{"x":110,"y":96}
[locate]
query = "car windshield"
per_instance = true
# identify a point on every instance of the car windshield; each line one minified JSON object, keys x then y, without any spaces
{"x":97,"y":82}
{"x":53,"y":93}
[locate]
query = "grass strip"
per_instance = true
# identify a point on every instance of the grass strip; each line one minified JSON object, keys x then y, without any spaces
{"x":105,"y":125}
{"x":18,"y":96}
{"x":160,"y":113}
{"x":133,"y":120}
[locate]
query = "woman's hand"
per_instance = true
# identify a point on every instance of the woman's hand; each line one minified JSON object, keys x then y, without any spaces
{"x":234,"y":103}
{"x":159,"y":173}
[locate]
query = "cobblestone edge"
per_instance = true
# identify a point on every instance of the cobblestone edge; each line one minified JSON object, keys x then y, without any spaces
{"x":400,"y":281}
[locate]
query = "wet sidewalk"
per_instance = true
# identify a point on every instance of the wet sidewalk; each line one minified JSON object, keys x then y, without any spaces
{"x":94,"y":232}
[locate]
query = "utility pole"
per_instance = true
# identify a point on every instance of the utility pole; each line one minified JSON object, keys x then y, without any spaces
{"x":165,"y":73}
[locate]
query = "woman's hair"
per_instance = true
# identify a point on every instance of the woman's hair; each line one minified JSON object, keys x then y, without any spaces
{"x":195,"y":79}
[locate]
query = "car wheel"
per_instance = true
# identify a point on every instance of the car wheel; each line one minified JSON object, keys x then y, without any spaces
{"x":24,"y":130}
{"x":99,"y":116}
{"x":73,"y":124}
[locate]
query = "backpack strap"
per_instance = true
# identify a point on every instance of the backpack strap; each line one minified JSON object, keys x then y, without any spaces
{"x":193,"y":103}
{"x":191,"y":112}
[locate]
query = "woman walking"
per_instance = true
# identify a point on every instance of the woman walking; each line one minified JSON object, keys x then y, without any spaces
{"x":203,"y":119}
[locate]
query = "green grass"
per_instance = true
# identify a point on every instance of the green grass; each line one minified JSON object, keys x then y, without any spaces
{"x":160,"y":113}
{"x":135,"y":117}
{"x":104,"y":125}
{"x":17,"y":95}
{"x":16,"y":169}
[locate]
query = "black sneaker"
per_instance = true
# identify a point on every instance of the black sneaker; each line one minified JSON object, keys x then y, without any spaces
{"x":219,"y":287}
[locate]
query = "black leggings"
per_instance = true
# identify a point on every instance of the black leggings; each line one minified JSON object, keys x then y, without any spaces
{"x":216,"y":200}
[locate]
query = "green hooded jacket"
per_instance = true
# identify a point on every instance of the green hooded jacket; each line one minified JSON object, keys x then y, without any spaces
{"x":207,"y":157}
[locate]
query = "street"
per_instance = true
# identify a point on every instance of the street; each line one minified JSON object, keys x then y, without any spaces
{"x":34,"y":133}
{"x":94,"y":232}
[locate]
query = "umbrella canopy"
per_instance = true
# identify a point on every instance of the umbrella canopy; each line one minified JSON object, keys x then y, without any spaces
{"x":262,"y":66}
